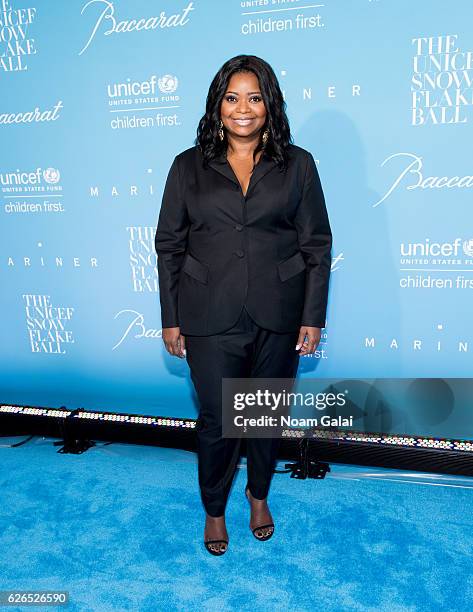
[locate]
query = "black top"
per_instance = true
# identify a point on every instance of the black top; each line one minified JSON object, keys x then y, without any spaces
{"x":219,"y":249}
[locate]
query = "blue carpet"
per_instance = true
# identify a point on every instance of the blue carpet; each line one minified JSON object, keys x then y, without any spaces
{"x":120,"y":527}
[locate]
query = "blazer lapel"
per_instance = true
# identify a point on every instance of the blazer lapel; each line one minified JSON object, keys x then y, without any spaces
{"x":265,"y":164}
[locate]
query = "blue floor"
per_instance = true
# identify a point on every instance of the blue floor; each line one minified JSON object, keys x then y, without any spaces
{"x":120,"y":528}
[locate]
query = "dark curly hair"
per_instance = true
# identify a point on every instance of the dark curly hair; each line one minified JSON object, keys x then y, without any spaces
{"x":276,"y":119}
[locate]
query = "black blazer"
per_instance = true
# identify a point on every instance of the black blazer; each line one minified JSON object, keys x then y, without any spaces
{"x":218,"y":250}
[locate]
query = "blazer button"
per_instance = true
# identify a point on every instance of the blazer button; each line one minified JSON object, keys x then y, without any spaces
{"x":238,"y":228}
{"x":240,"y":253}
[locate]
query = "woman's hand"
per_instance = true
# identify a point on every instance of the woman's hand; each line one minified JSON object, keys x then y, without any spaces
{"x":174,"y":341}
{"x":311,"y":342}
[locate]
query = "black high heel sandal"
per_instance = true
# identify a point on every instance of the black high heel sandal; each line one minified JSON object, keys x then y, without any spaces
{"x":217,"y":553}
{"x":262,"y":538}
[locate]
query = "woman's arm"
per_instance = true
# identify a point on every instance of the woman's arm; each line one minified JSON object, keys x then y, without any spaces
{"x":315,"y":242}
{"x":171,"y":244}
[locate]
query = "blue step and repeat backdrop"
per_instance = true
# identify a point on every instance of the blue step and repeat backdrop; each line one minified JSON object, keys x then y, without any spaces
{"x":98,"y":96}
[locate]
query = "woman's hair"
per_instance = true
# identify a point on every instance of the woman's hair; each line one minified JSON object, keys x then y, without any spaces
{"x":276,"y":119}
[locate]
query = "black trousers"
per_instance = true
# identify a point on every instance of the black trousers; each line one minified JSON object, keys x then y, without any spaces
{"x":244,"y":351}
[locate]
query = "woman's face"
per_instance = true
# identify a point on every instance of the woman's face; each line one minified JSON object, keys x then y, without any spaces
{"x":242,"y":110}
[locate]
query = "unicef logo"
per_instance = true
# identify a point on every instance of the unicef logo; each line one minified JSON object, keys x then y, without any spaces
{"x":468,"y":247}
{"x":51,"y":175}
{"x":167,"y":83}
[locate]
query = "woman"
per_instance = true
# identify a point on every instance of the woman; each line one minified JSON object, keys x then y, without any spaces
{"x":244,"y":253}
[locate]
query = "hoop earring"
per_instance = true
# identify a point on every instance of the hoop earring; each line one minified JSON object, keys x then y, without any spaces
{"x":220,"y":131}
